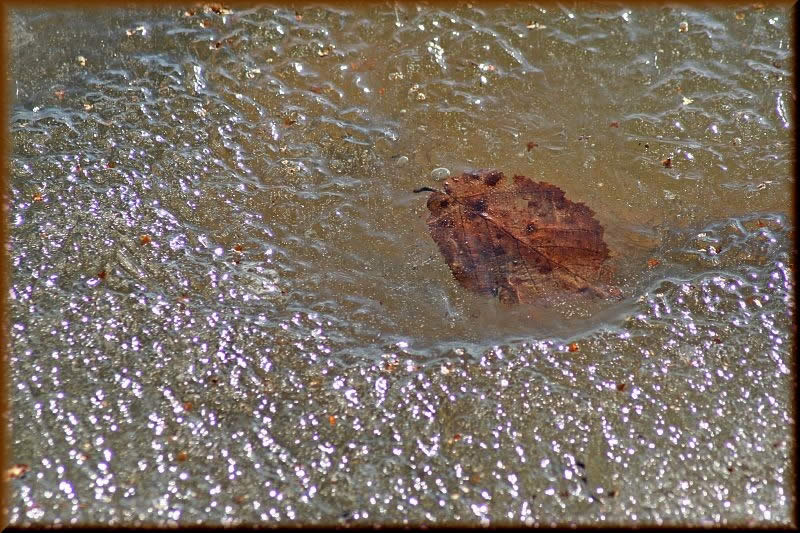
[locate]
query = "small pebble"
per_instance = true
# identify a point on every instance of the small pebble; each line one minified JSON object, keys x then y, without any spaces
{"x":440,"y":173}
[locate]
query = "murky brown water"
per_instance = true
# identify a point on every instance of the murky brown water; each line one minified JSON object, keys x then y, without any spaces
{"x":286,"y":344}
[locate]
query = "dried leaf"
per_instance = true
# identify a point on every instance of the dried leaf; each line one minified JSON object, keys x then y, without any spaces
{"x":515,"y":238}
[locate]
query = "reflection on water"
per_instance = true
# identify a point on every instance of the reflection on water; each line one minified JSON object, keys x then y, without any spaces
{"x":226,"y":306}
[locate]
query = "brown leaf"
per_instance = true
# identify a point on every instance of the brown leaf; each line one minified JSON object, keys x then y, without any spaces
{"x":614,"y":124}
{"x":667,"y":162}
{"x":515,"y":238}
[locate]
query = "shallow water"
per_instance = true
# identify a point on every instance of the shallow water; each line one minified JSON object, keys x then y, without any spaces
{"x":286,"y":344}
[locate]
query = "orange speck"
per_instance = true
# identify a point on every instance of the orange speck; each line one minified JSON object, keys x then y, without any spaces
{"x":381,"y":91}
{"x":531,"y":145}
{"x":332,"y":420}
{"x":37,"y":197}
{"x":457,"y":436}
{"x":187,"y":406}
{"x":614,"y":124}
{"x":574,"y":347}
{"x":17,"y":471}
{"x":101,"y":274}
{"x":620,"y":387}
{"x":182,"y":456}
{"x":760,"y":223}
{"x":653,"y":262}
{"x":667,"y":162}
{"x":145,"y":239}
